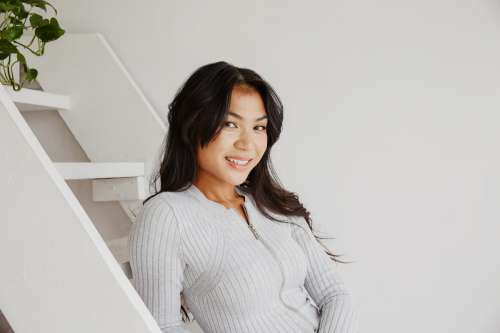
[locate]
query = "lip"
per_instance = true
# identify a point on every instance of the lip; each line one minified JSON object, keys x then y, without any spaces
{"x":236,"y":166}
{"x":240,"y":158}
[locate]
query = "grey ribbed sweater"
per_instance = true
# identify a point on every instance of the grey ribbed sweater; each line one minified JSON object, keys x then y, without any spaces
{"x":278,"y":279}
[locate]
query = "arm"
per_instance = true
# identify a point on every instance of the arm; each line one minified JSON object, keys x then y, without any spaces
{"x":324,"y":284}
{"x":156,"y":262}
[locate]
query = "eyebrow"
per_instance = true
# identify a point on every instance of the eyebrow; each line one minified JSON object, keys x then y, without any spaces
{"x":240,"y":117}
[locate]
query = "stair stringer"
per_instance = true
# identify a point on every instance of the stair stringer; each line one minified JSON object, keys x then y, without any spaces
{"x":57,"y":275}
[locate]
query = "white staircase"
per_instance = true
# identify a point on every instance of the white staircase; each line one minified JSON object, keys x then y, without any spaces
{"x":58,"y":273}
{"x":36,"y":100}
{"x":100,"y":170}
{"x":105,"y":176}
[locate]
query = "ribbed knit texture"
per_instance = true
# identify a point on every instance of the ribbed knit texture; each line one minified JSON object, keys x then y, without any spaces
{"x":184,"y":244}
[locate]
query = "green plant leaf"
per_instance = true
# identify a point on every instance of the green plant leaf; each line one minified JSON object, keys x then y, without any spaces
{"x":44,"y":22}
{"x":36,"y":20}
{"x":14,"y":20}
{"x":12,"y":33}
{"x":20,"y":11}
{"x":31,"y":74}
{"x":36,"y":3}
{"x":5,"y":6}
{"x":40,"y":4}
{"x":49,"y":32}
{"x":6,"y":48}
{"x":21,"y":58}
{"x":14,"y":14}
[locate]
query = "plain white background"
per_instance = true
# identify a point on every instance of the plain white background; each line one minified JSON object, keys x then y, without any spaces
{"x":391,"y":132}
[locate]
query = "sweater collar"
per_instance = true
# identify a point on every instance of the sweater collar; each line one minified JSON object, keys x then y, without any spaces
{"x":200,"y":196}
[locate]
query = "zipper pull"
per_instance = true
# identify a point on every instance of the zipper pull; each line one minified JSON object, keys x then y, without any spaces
{"x":254,"y":231}
{"x":250,"y":225}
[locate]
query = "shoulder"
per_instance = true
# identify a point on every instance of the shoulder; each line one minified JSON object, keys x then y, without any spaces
{"x":169,"y":198}
{"x":157,"y":213}
{"x":170,"y":207}
{"x":156,"y":230}
{"x":158,"y":204}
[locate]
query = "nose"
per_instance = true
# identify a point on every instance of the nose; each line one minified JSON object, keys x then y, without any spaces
{"x":244,"y":140}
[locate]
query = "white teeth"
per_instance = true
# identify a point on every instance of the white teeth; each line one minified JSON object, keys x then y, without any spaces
{"x":239,"y":162}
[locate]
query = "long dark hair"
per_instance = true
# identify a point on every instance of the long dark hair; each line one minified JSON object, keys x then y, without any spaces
{"x":195,"y":117}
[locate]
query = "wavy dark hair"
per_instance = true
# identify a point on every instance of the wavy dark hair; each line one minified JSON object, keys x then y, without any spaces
{"x":195,"y":117}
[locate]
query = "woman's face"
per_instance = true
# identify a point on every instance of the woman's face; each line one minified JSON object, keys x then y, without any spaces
{"x":243,"y":137}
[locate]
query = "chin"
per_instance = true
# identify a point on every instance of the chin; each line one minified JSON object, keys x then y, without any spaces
{"x":235,"y":182}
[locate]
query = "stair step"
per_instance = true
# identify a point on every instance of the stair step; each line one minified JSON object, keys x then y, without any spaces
{"x":37,"y":100}
{"x":119,"y":249}
{"x":94,"y":170}
{"x":118,"y":189}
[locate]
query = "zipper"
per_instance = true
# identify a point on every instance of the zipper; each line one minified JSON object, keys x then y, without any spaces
{"x":250,"y":225}
{"x":257,"y":236}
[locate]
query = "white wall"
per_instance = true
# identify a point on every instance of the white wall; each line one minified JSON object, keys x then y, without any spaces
{"x":393,"y":106}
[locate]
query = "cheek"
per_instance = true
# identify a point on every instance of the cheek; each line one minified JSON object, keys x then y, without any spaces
{"x":263,"y":143}
{"x":261,"y":147}
{"x":207,"y":156}
{"x":222,"y":142}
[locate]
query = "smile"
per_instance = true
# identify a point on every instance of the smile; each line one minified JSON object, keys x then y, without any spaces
{"x":238,"y":164}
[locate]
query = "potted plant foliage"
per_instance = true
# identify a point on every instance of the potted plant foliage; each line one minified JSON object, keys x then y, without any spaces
{"x":18,"y":17}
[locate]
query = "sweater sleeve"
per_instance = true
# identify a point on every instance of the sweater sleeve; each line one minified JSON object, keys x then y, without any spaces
{"x":324,"y":284}
{"x":155,"y":250}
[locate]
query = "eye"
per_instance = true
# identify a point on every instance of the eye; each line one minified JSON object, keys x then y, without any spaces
{"x":230,"y":122}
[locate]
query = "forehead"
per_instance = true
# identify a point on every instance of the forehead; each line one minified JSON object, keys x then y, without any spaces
{"x":246,"y":103}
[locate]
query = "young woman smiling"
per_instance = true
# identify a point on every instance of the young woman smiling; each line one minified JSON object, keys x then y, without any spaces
{"x":221,"y":238}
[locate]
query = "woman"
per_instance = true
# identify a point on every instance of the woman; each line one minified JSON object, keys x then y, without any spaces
{"x":221,"y":238}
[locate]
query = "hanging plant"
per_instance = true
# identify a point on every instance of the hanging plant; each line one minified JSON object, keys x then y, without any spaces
{"x":16,"y":18}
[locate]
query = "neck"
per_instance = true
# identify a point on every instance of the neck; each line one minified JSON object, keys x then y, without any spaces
{"x":224,"y":194}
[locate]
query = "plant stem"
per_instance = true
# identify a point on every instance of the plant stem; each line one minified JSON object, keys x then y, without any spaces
{"x":31,"y":41}
{"x":26,"y":47}
{"x":9,"y":76}
{"x":5,"y":72}
{"x":2,"y":77}
{"x":6,"y":21}
{"x":19,"y":86}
